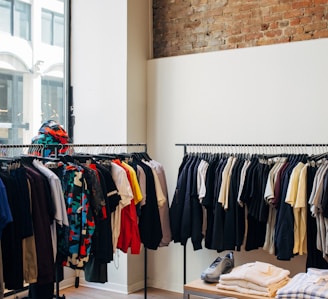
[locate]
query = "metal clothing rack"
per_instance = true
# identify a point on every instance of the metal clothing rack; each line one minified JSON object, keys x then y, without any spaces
{"x":257,"y":148}
{"x":10,"y":151}
{"x":101,"y":149}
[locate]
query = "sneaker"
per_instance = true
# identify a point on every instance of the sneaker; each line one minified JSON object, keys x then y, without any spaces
{"x":221,"y":265}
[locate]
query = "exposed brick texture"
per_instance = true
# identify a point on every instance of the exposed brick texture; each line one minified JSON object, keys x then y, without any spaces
{"x":194,"y":26}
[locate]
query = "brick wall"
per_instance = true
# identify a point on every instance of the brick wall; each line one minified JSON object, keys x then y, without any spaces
{"x":193,"y":26}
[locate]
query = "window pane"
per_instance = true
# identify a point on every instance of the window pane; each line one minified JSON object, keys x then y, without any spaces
{"x":47,"y":27}
{"x":52,"y":100}
{"x":22,"y":18}
{"x":5,"y":8}
{"x":32,"y":74}
{"x":58,"y":30}
{"x":11,"y":108}
{"x":4,"y":90}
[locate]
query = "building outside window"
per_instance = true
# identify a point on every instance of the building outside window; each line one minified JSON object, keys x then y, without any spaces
{"x":52,"y":28}
{"x":52,"y":93}
{"x":5,"y":12}
{"x":33,"y":80}
{"x":11,"y":107}
{"x":22,"y":20}
{"x":16,"y":18}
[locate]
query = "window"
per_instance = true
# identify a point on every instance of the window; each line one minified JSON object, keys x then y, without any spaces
{"x":11,"y":108}
{"x":51,"y":98}
{"x":22,"y":20}
{"x":5,"y":12}
{"x":33,"y":80}
{"x":52,"y":28}
{"x":15,"y":18}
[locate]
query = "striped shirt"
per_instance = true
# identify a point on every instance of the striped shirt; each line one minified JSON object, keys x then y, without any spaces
{"x":310,"y":285}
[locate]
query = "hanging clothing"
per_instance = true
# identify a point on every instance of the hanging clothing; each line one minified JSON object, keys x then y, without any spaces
{"x":164,"y":206}
{"x":190,"y":209}
{"x":208,"y":202}
{"x":71,"y":212}
{"x":149,"y":219}
{"x":177,"y":205}
{"x":102,"y":241}
{"x":125,"y":192}
{"x":42,"y":216}
{"x":129,"y":233}
{"x":5,"y":213}
{"x":1,"y":275}
{"x":11,"y":240}
{"x":277,"y":193}
{"x":80,"y":216}
{"x":58,"y":202}
{"x":315,"y":257}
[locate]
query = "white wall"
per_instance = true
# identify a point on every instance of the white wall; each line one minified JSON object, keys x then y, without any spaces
{"x":110,"y":48}
{"x":98,"y":67}
{"x":99,"y":70}
{"x":268,"y":94}
{"x":139,"y":15}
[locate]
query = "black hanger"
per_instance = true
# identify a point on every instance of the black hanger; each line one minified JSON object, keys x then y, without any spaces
{"x":146,"y":156}
{"x":83,"y":158}
{"x":66,"y":158}
{"x":104,"y":157}
{"x":30,"y":158}
{"x":318,"y":157}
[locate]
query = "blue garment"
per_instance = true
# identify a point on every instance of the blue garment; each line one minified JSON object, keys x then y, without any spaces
{"x":5,"y":213}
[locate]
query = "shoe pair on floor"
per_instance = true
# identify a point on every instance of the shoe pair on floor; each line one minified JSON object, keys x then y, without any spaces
{"x":221,"y":265}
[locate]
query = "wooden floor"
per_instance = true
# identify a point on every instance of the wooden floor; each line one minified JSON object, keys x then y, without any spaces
{"x":91,"y":293}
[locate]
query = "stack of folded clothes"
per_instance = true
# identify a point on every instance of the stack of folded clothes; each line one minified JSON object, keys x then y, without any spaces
{"x":310,"y":285}
{"x":256,"y":278}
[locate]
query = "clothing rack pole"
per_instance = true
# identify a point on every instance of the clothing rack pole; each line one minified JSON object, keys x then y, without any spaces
{"x":253,"y":144}
{"x":184,"y":246}
{"x":145,"y":259}
{"x":145,"y":273}
{"x":256,"y":145}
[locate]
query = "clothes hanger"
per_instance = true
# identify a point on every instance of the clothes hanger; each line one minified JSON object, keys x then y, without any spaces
{"x":30,"y":158}
{"x":98,"y":157}
{"x":65,"y":158}
{"x":83,"y":158}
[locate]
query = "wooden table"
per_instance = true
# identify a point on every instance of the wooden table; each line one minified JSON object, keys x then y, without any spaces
{"x":209,"y":290}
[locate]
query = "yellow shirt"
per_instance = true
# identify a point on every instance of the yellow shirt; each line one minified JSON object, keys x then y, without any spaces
{"x":300,"y":212}
{"x":136,"y":190}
